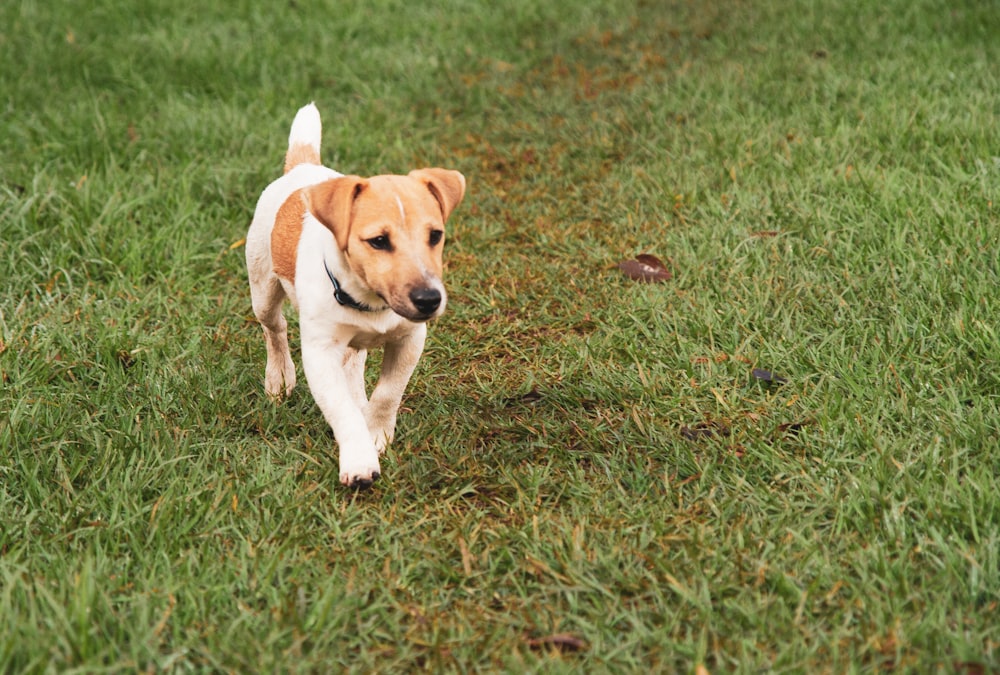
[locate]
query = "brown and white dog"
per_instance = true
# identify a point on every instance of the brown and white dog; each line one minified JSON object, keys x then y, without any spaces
{"x":360,"y":259}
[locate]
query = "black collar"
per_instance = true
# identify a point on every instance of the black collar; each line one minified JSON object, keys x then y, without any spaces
{"x":345,"y":298}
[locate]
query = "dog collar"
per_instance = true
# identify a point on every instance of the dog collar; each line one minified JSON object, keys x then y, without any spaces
{"x":343,"y":297}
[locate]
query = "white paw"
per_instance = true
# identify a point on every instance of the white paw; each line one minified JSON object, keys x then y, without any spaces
{"x":359,"y":469}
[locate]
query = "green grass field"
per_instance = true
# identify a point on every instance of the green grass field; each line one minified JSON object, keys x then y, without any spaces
{"x":587,"y":476}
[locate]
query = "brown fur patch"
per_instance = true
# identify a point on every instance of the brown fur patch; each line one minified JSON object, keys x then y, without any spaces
{"x":300,"y":153}
{"x":286,"y":234}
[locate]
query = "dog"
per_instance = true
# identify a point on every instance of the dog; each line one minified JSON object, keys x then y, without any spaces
{"x":360,"y":259}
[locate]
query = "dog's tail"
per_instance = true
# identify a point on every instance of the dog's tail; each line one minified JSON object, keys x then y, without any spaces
{"x":304,"y":138}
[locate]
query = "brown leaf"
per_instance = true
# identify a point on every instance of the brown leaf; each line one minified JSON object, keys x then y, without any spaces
{"x":530,"y":398}
{"x":560,"y":641}
{"x":646,"y":268}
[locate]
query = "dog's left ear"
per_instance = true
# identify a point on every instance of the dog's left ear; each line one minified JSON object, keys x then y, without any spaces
{"x":446,"y":186}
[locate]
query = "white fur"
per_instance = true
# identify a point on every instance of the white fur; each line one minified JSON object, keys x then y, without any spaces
{"x":307,"y":128}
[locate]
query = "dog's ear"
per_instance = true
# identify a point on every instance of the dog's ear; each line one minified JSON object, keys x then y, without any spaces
{"x":446,"y":186}
{"x":332,"y":202}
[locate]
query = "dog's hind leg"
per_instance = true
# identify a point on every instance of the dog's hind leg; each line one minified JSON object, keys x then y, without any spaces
{"x":279,"y":373}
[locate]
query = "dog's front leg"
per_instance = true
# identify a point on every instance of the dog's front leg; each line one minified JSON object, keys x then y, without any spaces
{"x":323,"y":362}
{"x":398,"y":362}
{"x":354,"y":367}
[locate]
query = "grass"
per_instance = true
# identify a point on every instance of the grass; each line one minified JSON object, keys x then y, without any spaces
{"x":587,"y":476}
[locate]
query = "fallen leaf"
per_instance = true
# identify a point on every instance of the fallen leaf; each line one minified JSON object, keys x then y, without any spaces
{"x":561,"y":641}
{"x":646,"y":268}
{"x":652,"y":261}
{"x":530,"y":398}
{"x":768,"y":376}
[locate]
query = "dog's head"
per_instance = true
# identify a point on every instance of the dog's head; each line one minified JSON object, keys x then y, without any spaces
{"x":391,"y":231}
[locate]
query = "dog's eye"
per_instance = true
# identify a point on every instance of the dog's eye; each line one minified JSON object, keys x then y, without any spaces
{"x":380,"y":243}
{"x":436,"y":237}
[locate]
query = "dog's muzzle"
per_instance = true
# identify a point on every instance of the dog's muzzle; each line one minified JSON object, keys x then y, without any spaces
{"x":426,"y":301}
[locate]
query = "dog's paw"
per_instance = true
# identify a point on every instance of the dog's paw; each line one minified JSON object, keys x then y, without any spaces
{"x":279,"y":377}
{"x":279,"y":384}
{"x":382,"y":438}
{"x":359,"y":474}
{"x":360,"y":483}
{"x":382,"y":426}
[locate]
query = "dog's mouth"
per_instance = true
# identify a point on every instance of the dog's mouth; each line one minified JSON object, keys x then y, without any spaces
{"x":420,"y":304}
{"x":416,"y":316}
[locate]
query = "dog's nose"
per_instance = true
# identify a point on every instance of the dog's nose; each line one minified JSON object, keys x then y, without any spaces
{"x":426,"y":300}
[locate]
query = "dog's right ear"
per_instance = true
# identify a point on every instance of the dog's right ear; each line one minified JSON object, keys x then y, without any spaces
{"x":332,"y":202}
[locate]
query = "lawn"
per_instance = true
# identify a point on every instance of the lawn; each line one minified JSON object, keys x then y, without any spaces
{"x":782,"y":459}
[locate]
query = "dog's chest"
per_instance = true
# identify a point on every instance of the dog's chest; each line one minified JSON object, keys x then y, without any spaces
{"x":368,"y":339}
